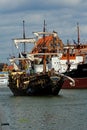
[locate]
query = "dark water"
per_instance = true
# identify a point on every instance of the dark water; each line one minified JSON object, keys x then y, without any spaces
{"x":68,"y":111}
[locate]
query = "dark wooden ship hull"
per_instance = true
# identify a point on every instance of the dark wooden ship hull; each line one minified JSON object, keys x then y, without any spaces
{"x":39,"y":84}
{"x":80,"y":77}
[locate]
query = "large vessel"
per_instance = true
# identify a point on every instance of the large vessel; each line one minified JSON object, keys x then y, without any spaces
{"x":67,"y":59}
{"x":63,"y":54}
{"x":79,"y":74}
{"x":24,"y":79}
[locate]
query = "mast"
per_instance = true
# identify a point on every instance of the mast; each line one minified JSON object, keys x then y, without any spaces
{"x":78,"y":34}
{"x":44,"y":47}
{"x":68,"y":49}
{"x":68,"y":56}
{"x":24,"y":35}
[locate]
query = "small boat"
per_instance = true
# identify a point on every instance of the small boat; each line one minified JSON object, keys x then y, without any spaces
{"x":3,"y":78}
{"x":80,"y":77}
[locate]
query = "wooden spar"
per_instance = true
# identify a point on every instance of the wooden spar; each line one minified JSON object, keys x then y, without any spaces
{"x":54,"y":34}
{"x":41,"y":54}
{"x":26,"y":40}
{"x":36,"y":54}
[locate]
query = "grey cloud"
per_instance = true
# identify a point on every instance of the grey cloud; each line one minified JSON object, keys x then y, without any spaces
{"x":60,"y":16}
{"x":19,"y":5}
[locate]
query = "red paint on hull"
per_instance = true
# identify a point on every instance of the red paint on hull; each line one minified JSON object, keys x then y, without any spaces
{"x":80,"y":83}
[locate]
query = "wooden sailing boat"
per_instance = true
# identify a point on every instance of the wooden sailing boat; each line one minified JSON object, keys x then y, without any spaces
{"x":22,"y":82}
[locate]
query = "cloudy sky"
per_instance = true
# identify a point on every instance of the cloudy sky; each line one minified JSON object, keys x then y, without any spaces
{"x":60,"y":15}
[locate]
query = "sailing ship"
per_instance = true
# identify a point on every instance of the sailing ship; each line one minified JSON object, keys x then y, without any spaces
{"x":24,"y":80}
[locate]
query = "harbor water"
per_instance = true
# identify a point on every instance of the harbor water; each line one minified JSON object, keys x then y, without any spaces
{"x":67,"y":111}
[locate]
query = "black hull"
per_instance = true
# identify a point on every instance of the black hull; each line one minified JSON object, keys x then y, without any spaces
{"x":38,"y":85}
{"x":80,"y":77}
